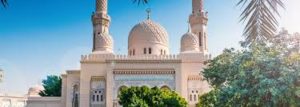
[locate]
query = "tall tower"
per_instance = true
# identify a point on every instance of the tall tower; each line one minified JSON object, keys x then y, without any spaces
{"x":198,"y":21}
{"x":102,"y":40}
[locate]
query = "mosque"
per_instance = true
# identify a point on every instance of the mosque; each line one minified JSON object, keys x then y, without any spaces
{"x":148,"y":63}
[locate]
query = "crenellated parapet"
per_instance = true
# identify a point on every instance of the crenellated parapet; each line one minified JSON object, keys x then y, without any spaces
{"x":109,"y":57}
{"x":195,"y":57}
{"x":184,"y":57}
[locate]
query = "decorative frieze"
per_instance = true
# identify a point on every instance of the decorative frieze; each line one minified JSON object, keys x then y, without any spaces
{"x":144,"y":71}
{"x":164,"y":77}
{"x":195,"y":77}
{"x":150,"y":80}
{"x":126,"y":58}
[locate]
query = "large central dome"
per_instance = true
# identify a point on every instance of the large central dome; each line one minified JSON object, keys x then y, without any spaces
{"x":148,"y":38}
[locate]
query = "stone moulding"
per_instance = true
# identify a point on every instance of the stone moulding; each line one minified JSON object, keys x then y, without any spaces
{"x":143,"y":61}
{"x":145,"y":77}
{"x":111,"y":57}
{"x":73,"y":71}
{"x":145,"y":71}
{"x":97,"y":78}
{"x":102,"y":58}
{"x":195,"y":77}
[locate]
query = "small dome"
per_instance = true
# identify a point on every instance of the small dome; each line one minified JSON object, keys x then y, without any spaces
{"x":148,"y":36}
{"x":189,"y":42}
{"x":34,"y":91}
{"x":104,"y":43}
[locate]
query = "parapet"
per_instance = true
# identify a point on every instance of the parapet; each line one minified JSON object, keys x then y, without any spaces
{"x":105,"y":57}
{"x":108,"y":57}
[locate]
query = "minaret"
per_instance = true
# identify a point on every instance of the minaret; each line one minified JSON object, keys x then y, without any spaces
{"x":198,"y":20}
{"x":102,"y":41}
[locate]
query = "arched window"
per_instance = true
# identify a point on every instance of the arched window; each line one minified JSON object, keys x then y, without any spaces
{"x":191,"y":97}
{"x":133,"y":52}
{"x":161,"y":52}
{"x":200,"y":39}
{"x":130,"y":52}
{"x":75,"y":100}
{"x":205,"y":45}
{"x":97,"y":92}
{"x":150,"y":51}
{"x":97,"y":98}
{"x":164,"y":52}
{"x":93,"y":98}
{"x":145,"y":50}
{"x":195,"y":97}
{"x":94,"y":41}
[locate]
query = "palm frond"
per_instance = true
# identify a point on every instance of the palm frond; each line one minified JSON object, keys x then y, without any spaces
{"x":4,"y":3}
{"x":261,"y":19}
{"x":140,"y":1}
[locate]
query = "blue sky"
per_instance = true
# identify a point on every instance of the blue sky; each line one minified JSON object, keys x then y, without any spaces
{"x":43,"y":37}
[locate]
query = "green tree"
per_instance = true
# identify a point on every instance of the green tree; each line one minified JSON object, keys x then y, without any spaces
{"x":208,"y":99}
{"x":150,"y":97}
{"x":52,"y":86}
{"x":265,"y":74}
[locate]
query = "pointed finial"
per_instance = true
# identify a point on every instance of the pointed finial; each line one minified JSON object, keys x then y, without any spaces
{"x":148,"y":10}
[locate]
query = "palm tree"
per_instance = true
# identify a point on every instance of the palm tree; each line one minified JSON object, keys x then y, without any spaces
{"x":140,"y":1}
{"x":4,"y":3}
{"x":260,"y":17}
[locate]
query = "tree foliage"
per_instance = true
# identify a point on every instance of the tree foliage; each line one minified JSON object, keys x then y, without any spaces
{"x":150,"y":97}
{"x":52,"y":86}
{"x":266,"y":74}
{"x":208,"y":99}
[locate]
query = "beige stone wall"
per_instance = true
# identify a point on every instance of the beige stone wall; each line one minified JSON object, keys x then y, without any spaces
{"x":89,"y":70}
{"x":44,"y":102}
{"x":64,"y":90}
{"x":192,"y":65}
{"x":12,"y":101}
{"x":187,"y":67}
{"x":73,"y":78}
{"x":15,"y":101}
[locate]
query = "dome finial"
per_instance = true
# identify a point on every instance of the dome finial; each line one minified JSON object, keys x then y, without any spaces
{"x":148,"y":10}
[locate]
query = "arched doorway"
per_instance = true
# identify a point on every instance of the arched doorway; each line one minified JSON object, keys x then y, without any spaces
{"x":75,"y":100}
